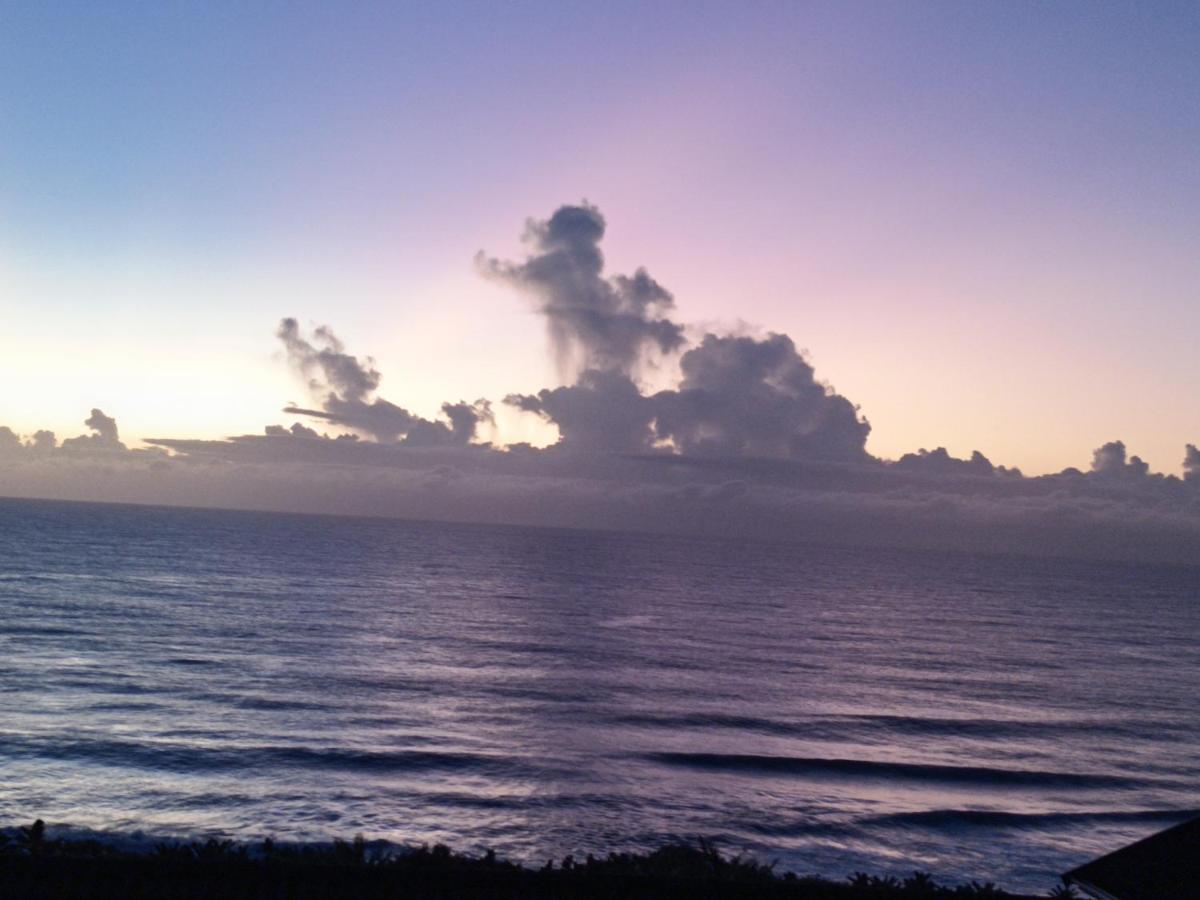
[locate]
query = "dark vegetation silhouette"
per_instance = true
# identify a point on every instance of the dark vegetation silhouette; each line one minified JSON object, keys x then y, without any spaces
{"x":35,"y":866}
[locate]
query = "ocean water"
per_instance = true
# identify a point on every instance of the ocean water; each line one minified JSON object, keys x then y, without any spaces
{"x":192,"y":673}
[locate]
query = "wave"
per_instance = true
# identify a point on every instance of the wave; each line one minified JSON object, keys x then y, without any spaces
{"x":272,"y":703}
{"x":190,"y":757}
{"x":954,"y":818}
{"x":849,"y":727}
{"x":994,"y":728}
{"x":951,"y":820}
{"x":715,"y":720}
{"x":22,"y":631}
{"x":977,"y":775}
{"x":192,"y":661}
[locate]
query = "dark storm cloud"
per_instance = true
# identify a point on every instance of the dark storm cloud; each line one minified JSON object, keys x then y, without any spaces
{"x":343,"y":385}
{"x":594,"y":321}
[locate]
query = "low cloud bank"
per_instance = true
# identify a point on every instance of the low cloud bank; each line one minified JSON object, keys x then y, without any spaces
{"x":1094,"y":515}
{"x":749,"y":443}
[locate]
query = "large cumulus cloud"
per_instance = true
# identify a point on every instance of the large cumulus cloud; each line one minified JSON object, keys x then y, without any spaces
{"x":739,"y":395}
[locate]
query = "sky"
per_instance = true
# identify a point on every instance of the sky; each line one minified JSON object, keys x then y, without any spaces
{"x":980,"y":220}
{"x":974,"y":224}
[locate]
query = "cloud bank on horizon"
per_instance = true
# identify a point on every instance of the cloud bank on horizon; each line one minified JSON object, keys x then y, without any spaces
{"x":748,"y":443}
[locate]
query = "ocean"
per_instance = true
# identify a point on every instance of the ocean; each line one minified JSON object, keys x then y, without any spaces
{"x":181,"y":673}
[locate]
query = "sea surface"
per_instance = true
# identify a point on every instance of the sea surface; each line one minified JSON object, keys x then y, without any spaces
{"x":188,"y":673}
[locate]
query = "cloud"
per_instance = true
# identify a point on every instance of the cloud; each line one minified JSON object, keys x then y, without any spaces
{"x":297,"y":430}
{"x":103,"y":437}
{"x":609,"y":324}
{"x":465,"y":418}
{"x":739,"y":396}
{"x":1191,"y":463}
{"x":1109,"y":461}
{"x":1153,"y":518}
{"x":43,"y":441}
{"x":940,"y":462}
{"x":603,"y":412}
{"x":104,"y":426}
{"x":343,"y":385}
{"x":745,"y":397}
{"x":748,"y":443}
{"x":932,"y":501}
{"x":326,"y":365}
{"x":102,"y":444}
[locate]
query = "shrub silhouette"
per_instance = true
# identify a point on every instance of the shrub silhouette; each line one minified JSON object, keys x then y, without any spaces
{"x":213,"y":867}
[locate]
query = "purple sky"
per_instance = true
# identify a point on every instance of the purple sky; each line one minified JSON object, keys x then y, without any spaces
{"x":981,"y":220}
